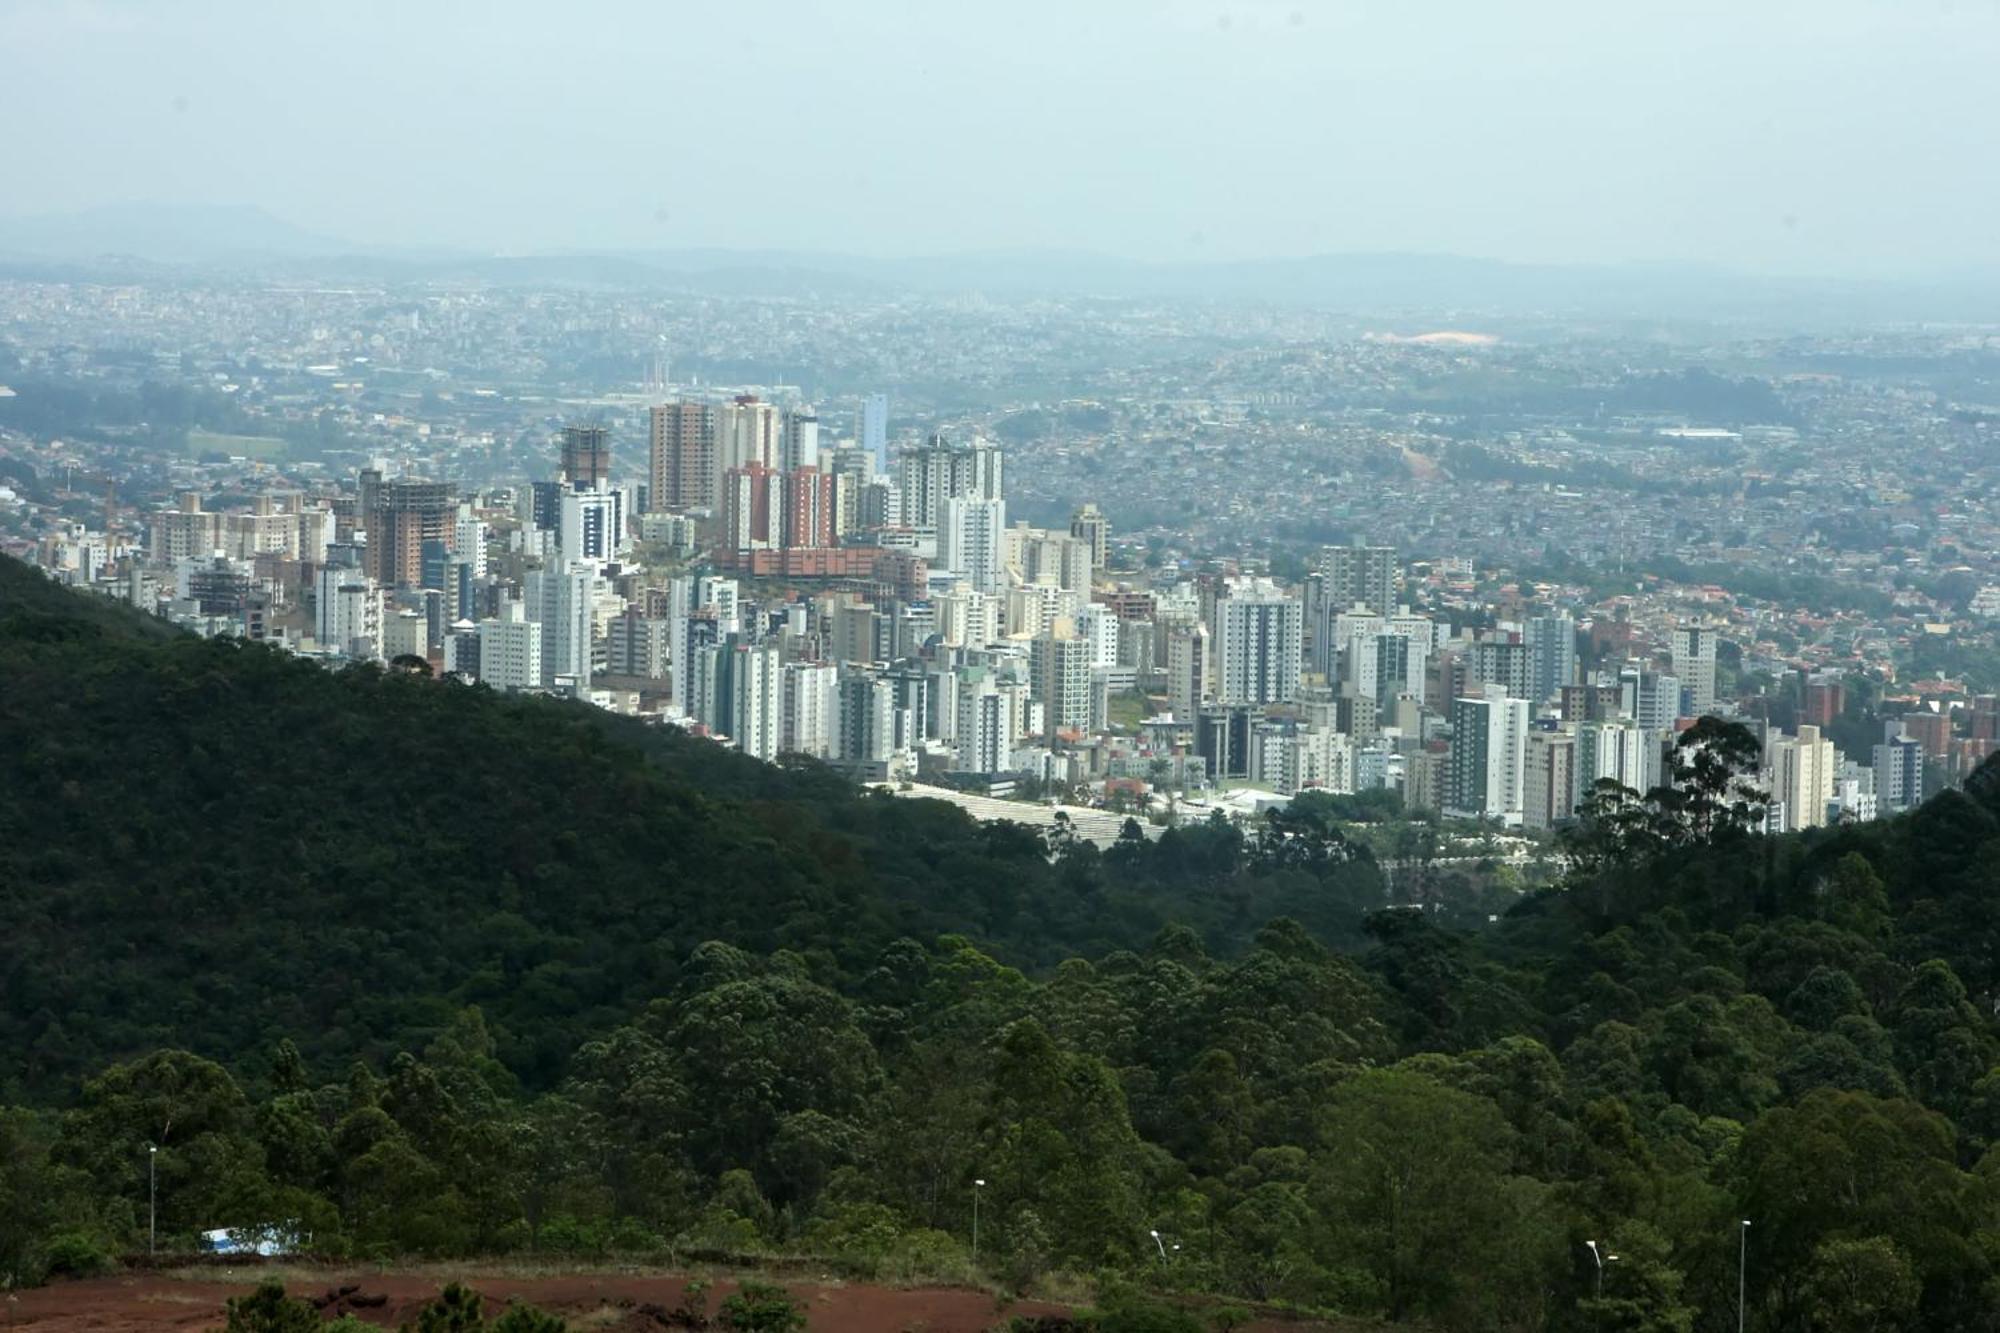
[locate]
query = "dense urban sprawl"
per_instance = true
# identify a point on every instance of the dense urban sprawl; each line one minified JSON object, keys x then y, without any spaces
{"x":1137,"y":558}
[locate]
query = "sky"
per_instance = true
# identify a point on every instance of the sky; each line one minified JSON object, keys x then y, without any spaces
{"x":1833,"y":137}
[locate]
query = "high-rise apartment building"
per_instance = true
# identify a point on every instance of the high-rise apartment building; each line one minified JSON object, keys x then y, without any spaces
{"x":866,"y":733}
{"x":809,"y":508}
{"x":1359,"y":576}
{"x":586,"y":457}
{"x":991,"y":713}
{"x":1289,"y":758}
{"x":1899,"y":771}
{"x":966,"y":617}
{"x":1097,"y":625}
{"x":1612,"y":750}
{"x":856,"y":632}
{"x":971,"y":534}
{"x":1034,"y":608}
{"x":1930,"y":730}
{"x":1503,"y":662}
{"x":347,"y":607}
{"x":1548,"y":783}
{"x":1590,"y":702}
{"x":590,"y":525}
{"x":510,"y":654}
{"x":1799,"y":771}
{"x":1825,"y":699}
{"x":681,"y":470}
{"x":1259,"y":643}
{"x":1488,"y":756}
{"x":1401,"y":663}
{"x":1190,"y":672}
{"x":799,"y":445}
{"x":1089,"y":525}
{"x":752,"y":499}
{"x":1039,"y":556}
{"x":402,"y":516}
{"x":748,"y":432}
{"x":1650,"y":698}
{"x":1551,"y":642}
{"x":1059,"y":674}
{"x":1694,"y":665}
{"x":740,"y":693}
{"x":186,"y":533}
{"x":811,"y":708}
{"x":563,"y":603}
{"x":873,"y":433}
{"x":940,"y":471}
{"x":470,"y":540}
{"x":1984,"y":724}
{"x":637,"y":645}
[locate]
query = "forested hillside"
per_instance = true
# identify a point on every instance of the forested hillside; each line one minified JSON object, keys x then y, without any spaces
{"x":430,"y":972}
{"x":206,"y":842}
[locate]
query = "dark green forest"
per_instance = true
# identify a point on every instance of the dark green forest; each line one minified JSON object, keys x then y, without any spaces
{"x":426,"y":971}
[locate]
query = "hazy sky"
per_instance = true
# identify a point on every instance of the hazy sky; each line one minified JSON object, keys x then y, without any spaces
{"x":1835,"y":136}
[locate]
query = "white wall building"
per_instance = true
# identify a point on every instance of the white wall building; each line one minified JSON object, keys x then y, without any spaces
{"x":966,"y":617}
{"x":1623,"y":752}
{"x":562,"y":602}
{"x":1259,"y":643}
{"x":750,"y":710}
{"x":469,"y":540}
{"x":347,"y":612}
{"x":1694,"y":665}
{"x":1799,"y":771}
{"x":1190,"y":671}
{"x":1059,"y":672}
{"x":1097,"y":624}
{"x":970,"y":535}
{"x":811,"y":709}
{"x":590,"y":526}
{"x":510,"y":654}
{"x":1290,"y":760}
{"x":1035,"y":608}
{"x":1489,"y":742}
{"x":990,"y":717}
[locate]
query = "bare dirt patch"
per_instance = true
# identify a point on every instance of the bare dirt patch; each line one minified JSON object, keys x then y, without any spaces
{"x":592,"y":1301}
{"x":134,"y":1302}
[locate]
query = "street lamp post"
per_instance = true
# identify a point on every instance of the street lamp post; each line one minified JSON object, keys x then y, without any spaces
{"x":977,"y":1186}
{"x":1742,"y":1271}
{"x":1600,"y":1258}
{"x":152,"y":1198}
{"x":1162,"y":1244}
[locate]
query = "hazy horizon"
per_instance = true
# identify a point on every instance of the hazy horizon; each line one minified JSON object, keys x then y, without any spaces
{"x":1842,"y":139}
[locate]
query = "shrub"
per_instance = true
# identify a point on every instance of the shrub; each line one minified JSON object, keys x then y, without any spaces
{"x":693,"y":1309}
{"x":1134,"y":1315}
{"x":526,"y":1319}
{"x":761,"y":1308}
{"x":459,"y":1310}
{"x":456,"y":1310}
{"x":269,"y":1310}
{"x":74,"y":1254}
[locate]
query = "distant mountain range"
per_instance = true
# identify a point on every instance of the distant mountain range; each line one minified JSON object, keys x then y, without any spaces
{"x":176,"y":234}
{"x":137,"y":239}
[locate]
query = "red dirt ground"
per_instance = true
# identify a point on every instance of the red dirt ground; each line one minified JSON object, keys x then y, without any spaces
{"x":609,"y":1302}
{"x":592,"y":1302}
